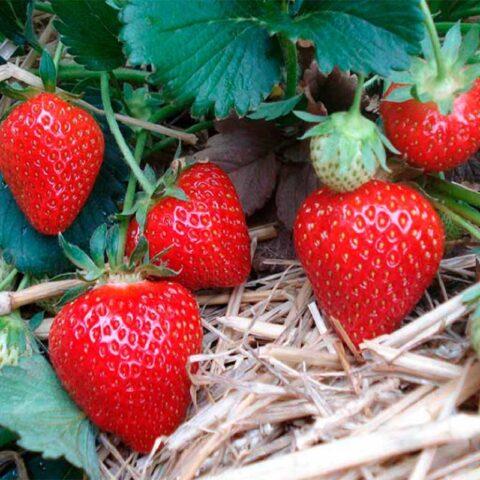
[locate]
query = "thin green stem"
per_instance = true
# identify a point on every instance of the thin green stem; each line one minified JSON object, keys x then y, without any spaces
{"x":357,"y":100}
{"x":290,"y":55}
{"x":198,"y":127}
{"x":8,"y":279}
{"x":464,"y":210}
{"x":58,"y":55}
{"x":69,"y":72}
{"x":117,"y":134}
{"x":130,"y":195}
{"x":166,"y":112}
{"x":432,"y":33}
{"x":455,"y":191}
{"x":474,"y":231}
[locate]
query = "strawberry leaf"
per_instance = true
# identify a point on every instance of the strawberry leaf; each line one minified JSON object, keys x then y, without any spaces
{"x":220,"y":56}
{"x":45,"y":418}
{"x":13,"y":20}
{"x":89,"y":29}
{"x":361,"y":35}
{"x":296,"y":182}
{"x":245,"y":150}
{"x":272,"y":110}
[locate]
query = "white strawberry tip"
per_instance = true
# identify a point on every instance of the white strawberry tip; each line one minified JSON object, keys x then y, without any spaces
{"x":422,"y":81}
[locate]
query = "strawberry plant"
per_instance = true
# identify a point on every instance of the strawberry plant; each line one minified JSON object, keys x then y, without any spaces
{"x":150,"y":134}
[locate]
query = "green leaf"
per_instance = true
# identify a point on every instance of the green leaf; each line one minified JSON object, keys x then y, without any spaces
{"x":272,"y":110}
{"x":89,"y":29}
{"x":13,"y":16}
{"x":45,"y":418}
{"x":366,"y":36}
{"x":37,"y":254}
{"x":216,"y":54}
{"x":48,"y":72}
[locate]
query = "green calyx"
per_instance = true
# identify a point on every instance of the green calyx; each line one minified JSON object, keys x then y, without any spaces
{"x":102,"y":265}
{"x":13,"y":339}
{"x":443,"y":74}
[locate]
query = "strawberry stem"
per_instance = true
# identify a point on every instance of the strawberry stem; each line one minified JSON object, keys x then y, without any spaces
{"x":130,"y":195}
{"x":357,"y":100}
{"x":117,"y":134}
{"x":291,"y":59}
{"x":455,"y":191}
{"x":466,"y":211}
{"x":198,"y":127}
{"x":290,"y":54}
{"x":432,"y":33}
{"x":58,"y":55}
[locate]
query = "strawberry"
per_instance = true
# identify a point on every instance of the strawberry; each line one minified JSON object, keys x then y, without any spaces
{"x":121,"y":352}
{"x":346,"y":148}
{"x":50,"y":155}
{"x":207,"y":234}
{"x":431,"y":114}
{"x":427,"y":138}
{"x":369,"y":254}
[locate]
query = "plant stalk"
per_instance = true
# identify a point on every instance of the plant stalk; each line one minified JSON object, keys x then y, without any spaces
{"x":357,"y":100}
{"x":455,"y":191}
{"x":465,"y":211}
{"x":472,"y":229}
{"x":198,"y":127}
{"x":58,"y":55}
{"x":68,"y":72}
{"x":117,"y":134}
{"x":432,"y":33}
{"x":290,"y":55}
{"x":130,"y":195}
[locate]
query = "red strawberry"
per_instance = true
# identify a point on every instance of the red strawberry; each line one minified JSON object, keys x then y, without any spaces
{"x":430,"y":140}
{"x":50,"y":155}
{"x":208,"y":234}
{"x":121,"y":352}
{"x":369,"y":254}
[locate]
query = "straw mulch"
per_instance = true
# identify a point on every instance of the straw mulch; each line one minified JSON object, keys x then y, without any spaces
{"x":277,"y":395}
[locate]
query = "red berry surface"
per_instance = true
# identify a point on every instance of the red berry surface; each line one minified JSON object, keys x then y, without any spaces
{"x":121,"y":352}
{"x":369,"y":254}
{"x":208,"y":235}
{"x":50,"y":156}
{"x":432,"y":141}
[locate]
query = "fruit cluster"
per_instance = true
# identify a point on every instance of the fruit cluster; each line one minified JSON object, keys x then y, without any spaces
{"x":369,"y":247}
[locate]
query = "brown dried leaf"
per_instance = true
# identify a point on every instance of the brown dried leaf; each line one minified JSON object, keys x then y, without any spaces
{"x":245,"y":150}
{"x":334,"y":91}
{"x":296,"y":182}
